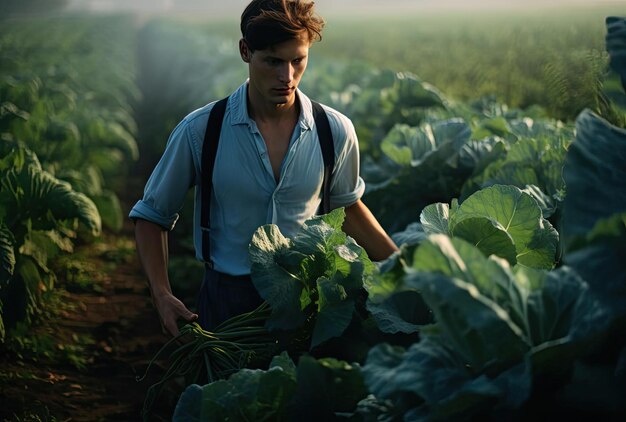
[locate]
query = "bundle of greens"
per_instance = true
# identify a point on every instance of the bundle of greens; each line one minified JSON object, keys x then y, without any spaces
{"x":312,"y":282}
{"x":203,"y":356}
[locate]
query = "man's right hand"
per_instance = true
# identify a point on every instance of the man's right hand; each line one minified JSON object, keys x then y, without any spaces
{"x":170,"y":311}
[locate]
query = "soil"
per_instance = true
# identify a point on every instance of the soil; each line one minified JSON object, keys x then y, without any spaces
{"x":120,"y":319}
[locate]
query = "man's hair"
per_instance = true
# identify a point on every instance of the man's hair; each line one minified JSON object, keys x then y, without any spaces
{"x":265,"y":23}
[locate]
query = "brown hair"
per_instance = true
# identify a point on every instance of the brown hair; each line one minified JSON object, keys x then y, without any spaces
{"x":268,"y":22}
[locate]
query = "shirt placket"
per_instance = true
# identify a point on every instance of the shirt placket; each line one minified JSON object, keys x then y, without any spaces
{"x":284,"y":171}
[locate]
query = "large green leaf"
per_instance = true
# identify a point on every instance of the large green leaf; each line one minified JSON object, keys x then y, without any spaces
{"x":412,"y":235}
{"x":600,"y":261}
{"x":334,"y":311}
{"x":430,"y":381}
{"x":110,"y":210}
{"x":459,"y":259}
{"x":320,"y":234}
{"x":39,"y":196}
{"x":595,"y":175}
{"x":395,"y":306}
{"x":275,"y":285}
{"x":326,"y":387}
{"x":435,"y":218}
{"x":563,"y":307}
{"x":247,"y":395}
{"x":518,"y":215}
{"x":488,"y":235}
{"x":397,"y":144}
{"x":477,"y":327}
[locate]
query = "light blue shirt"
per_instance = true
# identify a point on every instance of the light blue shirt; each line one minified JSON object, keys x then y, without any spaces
{"x":245,"y":194}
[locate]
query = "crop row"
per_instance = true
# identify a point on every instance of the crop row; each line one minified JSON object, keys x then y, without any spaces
{"x":67,"y":129}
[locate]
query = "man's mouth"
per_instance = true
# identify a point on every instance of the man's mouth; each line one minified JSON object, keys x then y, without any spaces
{"x":283,"y":91}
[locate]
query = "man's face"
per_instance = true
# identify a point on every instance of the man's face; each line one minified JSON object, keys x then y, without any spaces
{"x":276,"y":71}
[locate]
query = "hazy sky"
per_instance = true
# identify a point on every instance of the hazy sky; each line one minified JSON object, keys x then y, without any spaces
{"x":358,"y":7}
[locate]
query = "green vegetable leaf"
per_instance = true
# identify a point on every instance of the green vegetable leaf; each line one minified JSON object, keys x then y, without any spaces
{"x":594,"y":227}
{"x":41,"y":197}
{"x":563,"y":307}
{"x":435,"y":218}
{"x":595,"y":175}
{"x":326,"y":387}
{"x":280,"y":288}
{"x":476,"y":326}
{"x":397,"y":144}
{"x":459,"y":259}
{"x":334,"y":311}
{"x":487,"y":235}
{"x":246,"y":395}
{"x":519,"y":216}
{"x":430,"y":380}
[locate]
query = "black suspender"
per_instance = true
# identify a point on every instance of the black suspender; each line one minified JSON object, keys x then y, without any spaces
{"x":328,"y":152}
{"x":209,"y":152}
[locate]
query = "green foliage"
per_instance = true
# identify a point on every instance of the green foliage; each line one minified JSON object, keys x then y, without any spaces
{"x":247,"y":395}
{"x":74,"y":116}
{"x":314,"y":390}
{"x":317,"y":276}
{"x":41,"y":346}
{"x":500,"y":220}
{"x":534,"y":163}
{"x":426,"y":169}
{"x":496,"y":332}
{"x":533,"y":56}
{"x":593,"y":220}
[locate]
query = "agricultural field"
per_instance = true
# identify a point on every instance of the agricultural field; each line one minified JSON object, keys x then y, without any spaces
{"x":493,"y":150}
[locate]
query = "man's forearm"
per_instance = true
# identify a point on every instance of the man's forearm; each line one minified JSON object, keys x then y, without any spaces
{"x":363,"y":227}
{"x":153,"y":252}
{"x":152,"y":249}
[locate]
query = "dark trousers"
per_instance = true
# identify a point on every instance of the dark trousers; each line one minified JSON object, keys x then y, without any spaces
{"x":223,"y":296}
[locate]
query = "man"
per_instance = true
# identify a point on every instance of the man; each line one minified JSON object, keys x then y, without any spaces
{"x":268,"y":169}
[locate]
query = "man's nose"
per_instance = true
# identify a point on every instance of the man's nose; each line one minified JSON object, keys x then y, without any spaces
{"x":286,"y":72}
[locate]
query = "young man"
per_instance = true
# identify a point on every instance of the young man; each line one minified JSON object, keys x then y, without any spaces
{"x":268,"y":169}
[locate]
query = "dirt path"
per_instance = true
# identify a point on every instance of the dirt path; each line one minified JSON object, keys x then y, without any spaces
{"x":118,"y":316}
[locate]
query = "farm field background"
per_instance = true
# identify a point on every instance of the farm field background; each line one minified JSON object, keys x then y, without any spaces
{"x":486,"y":106}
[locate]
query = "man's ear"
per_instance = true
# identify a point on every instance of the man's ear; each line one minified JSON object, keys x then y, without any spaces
{"x":244,"y":50}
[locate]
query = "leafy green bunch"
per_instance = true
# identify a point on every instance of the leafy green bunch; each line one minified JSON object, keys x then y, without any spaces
{"x":313,"y":281}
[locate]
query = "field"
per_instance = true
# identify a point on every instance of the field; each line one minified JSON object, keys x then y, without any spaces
{"x":492,"y":144}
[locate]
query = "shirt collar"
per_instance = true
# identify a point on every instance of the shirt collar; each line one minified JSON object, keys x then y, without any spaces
{"x":238,"y":107}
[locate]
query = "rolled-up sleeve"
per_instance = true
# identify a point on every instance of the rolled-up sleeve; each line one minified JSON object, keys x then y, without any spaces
{"x":169,"y":182}
{"x":347,"y":186}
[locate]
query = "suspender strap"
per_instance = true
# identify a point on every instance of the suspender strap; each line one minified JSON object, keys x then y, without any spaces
{"x":328,"y":152}
{"x":209,"y":152}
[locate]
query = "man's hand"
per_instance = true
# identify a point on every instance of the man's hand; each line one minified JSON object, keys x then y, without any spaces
{"x":170,"y":311}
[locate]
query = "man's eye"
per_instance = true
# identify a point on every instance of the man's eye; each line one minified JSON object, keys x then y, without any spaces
{"x":297,"y":61}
